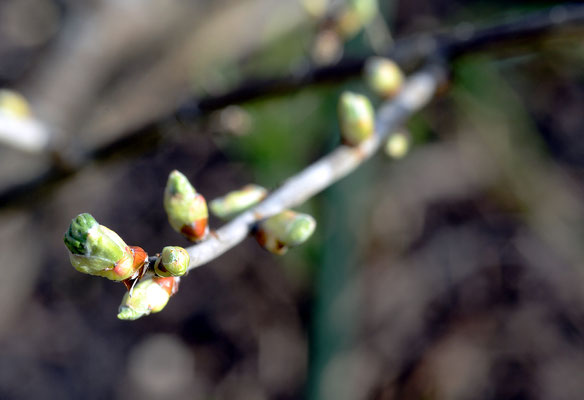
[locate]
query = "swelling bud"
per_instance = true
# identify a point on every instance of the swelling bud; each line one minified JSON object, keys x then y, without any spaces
{"x":383,"y":76}
{"x":174,"y":261}
{"x":150,"y":295}
{"x":397,"y":145}
{"x":282,"y":231}
{"x":96,"y":250}
{"x":356,"y":118}
{"x":237,"y":201}
{"x":186,"y":209}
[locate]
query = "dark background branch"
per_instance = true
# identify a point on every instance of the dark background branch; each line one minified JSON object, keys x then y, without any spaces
{"x":523,"y":33}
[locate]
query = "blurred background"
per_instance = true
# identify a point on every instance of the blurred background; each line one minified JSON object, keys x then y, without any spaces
{"x":456,"y":272}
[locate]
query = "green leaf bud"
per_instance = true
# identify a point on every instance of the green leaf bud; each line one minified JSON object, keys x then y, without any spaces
{"x":174,"y":261}
{"x":237,"y":201}
{"x":186,"y":209}
{"x":356,"y":118}
{"x":150,"y":295}
{"x":397,"y":145}
{"x":97,"y":250}
{"x":284,"y":230}
{"x":383,"y":76}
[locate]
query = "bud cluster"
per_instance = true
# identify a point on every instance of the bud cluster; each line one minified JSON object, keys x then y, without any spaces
{"x":97,"y":250}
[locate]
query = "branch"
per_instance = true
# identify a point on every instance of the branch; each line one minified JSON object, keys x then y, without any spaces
{"x":408,"y":52}
{"x":417,"y":92}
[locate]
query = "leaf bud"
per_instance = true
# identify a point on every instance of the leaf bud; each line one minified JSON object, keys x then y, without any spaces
{"x":356,"y":118}
{"x":97,"y":250}
{"x":284,"y":230}
{"x":186,"y":209}
{"x":397,"y":145}
{"x":14,"y":104}
{"x":174,"y":261}
{"x":150,"y":295}
{"x":383,"y":76}
{"x":237,"y":201}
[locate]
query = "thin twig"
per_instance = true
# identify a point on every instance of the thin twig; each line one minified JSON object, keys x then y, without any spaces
{"x":417,"y":92}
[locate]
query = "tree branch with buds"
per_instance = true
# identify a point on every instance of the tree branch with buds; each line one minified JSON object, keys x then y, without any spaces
{"x":417,"y":92}
{"x":96,"y":250}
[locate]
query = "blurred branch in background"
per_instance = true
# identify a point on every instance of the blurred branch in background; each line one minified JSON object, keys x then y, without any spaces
{"x":522,"y":34}
{"x":114,"y":67}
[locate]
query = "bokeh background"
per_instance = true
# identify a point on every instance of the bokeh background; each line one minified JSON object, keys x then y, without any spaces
{"x":454,"y":273}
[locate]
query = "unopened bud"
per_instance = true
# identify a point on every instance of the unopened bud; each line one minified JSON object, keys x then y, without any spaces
{"x":397,"y":145}
{"x":356,"y":118}
{"x":237,"y":201}
{"x":282,"y":231}
{"x":383,"y":76}
{"x":174,"y":261}
{"x":186,"y":209}
{"x":14,"y":104}
{"x":97,"y":250}
{"x":150,"y":295}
